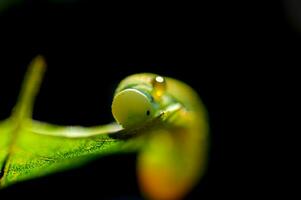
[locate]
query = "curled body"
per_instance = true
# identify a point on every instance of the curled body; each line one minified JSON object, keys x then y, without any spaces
{"x":175,"y":154}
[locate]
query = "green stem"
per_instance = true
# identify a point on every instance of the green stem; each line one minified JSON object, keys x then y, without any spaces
{"x":30,"y":88}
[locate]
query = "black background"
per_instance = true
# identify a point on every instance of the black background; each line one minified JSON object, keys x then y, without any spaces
{"x":233,"y":54}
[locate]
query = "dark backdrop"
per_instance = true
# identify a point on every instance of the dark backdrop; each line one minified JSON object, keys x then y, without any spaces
{"x":231,"y":53}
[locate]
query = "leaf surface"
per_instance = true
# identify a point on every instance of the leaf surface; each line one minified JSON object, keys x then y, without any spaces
{"x":30,"y":149}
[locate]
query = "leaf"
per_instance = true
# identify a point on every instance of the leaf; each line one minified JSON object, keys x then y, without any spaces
{"x":30,"y":149}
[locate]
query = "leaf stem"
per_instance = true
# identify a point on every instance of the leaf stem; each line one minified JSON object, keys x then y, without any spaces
{"x":30,"y":88}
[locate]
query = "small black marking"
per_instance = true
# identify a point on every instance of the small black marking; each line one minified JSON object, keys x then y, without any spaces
{"x":3,"y":167}
{"x":147,"y":112}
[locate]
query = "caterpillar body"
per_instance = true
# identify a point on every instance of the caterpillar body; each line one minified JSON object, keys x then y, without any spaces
{"x":175,"y":154}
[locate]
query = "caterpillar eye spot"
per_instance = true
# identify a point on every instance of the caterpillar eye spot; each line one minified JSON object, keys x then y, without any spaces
{"x":131,"y":107}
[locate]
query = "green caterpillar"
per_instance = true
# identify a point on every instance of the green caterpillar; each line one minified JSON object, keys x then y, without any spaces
{"x":175,"y":155}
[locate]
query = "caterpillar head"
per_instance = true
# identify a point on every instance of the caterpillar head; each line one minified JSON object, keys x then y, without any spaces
{"x":137,"y":99}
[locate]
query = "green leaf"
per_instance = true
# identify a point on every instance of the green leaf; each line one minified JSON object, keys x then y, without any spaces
{"x":30,"y":149}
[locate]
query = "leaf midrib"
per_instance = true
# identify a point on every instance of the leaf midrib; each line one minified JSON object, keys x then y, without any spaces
{"x":23,"y":109}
